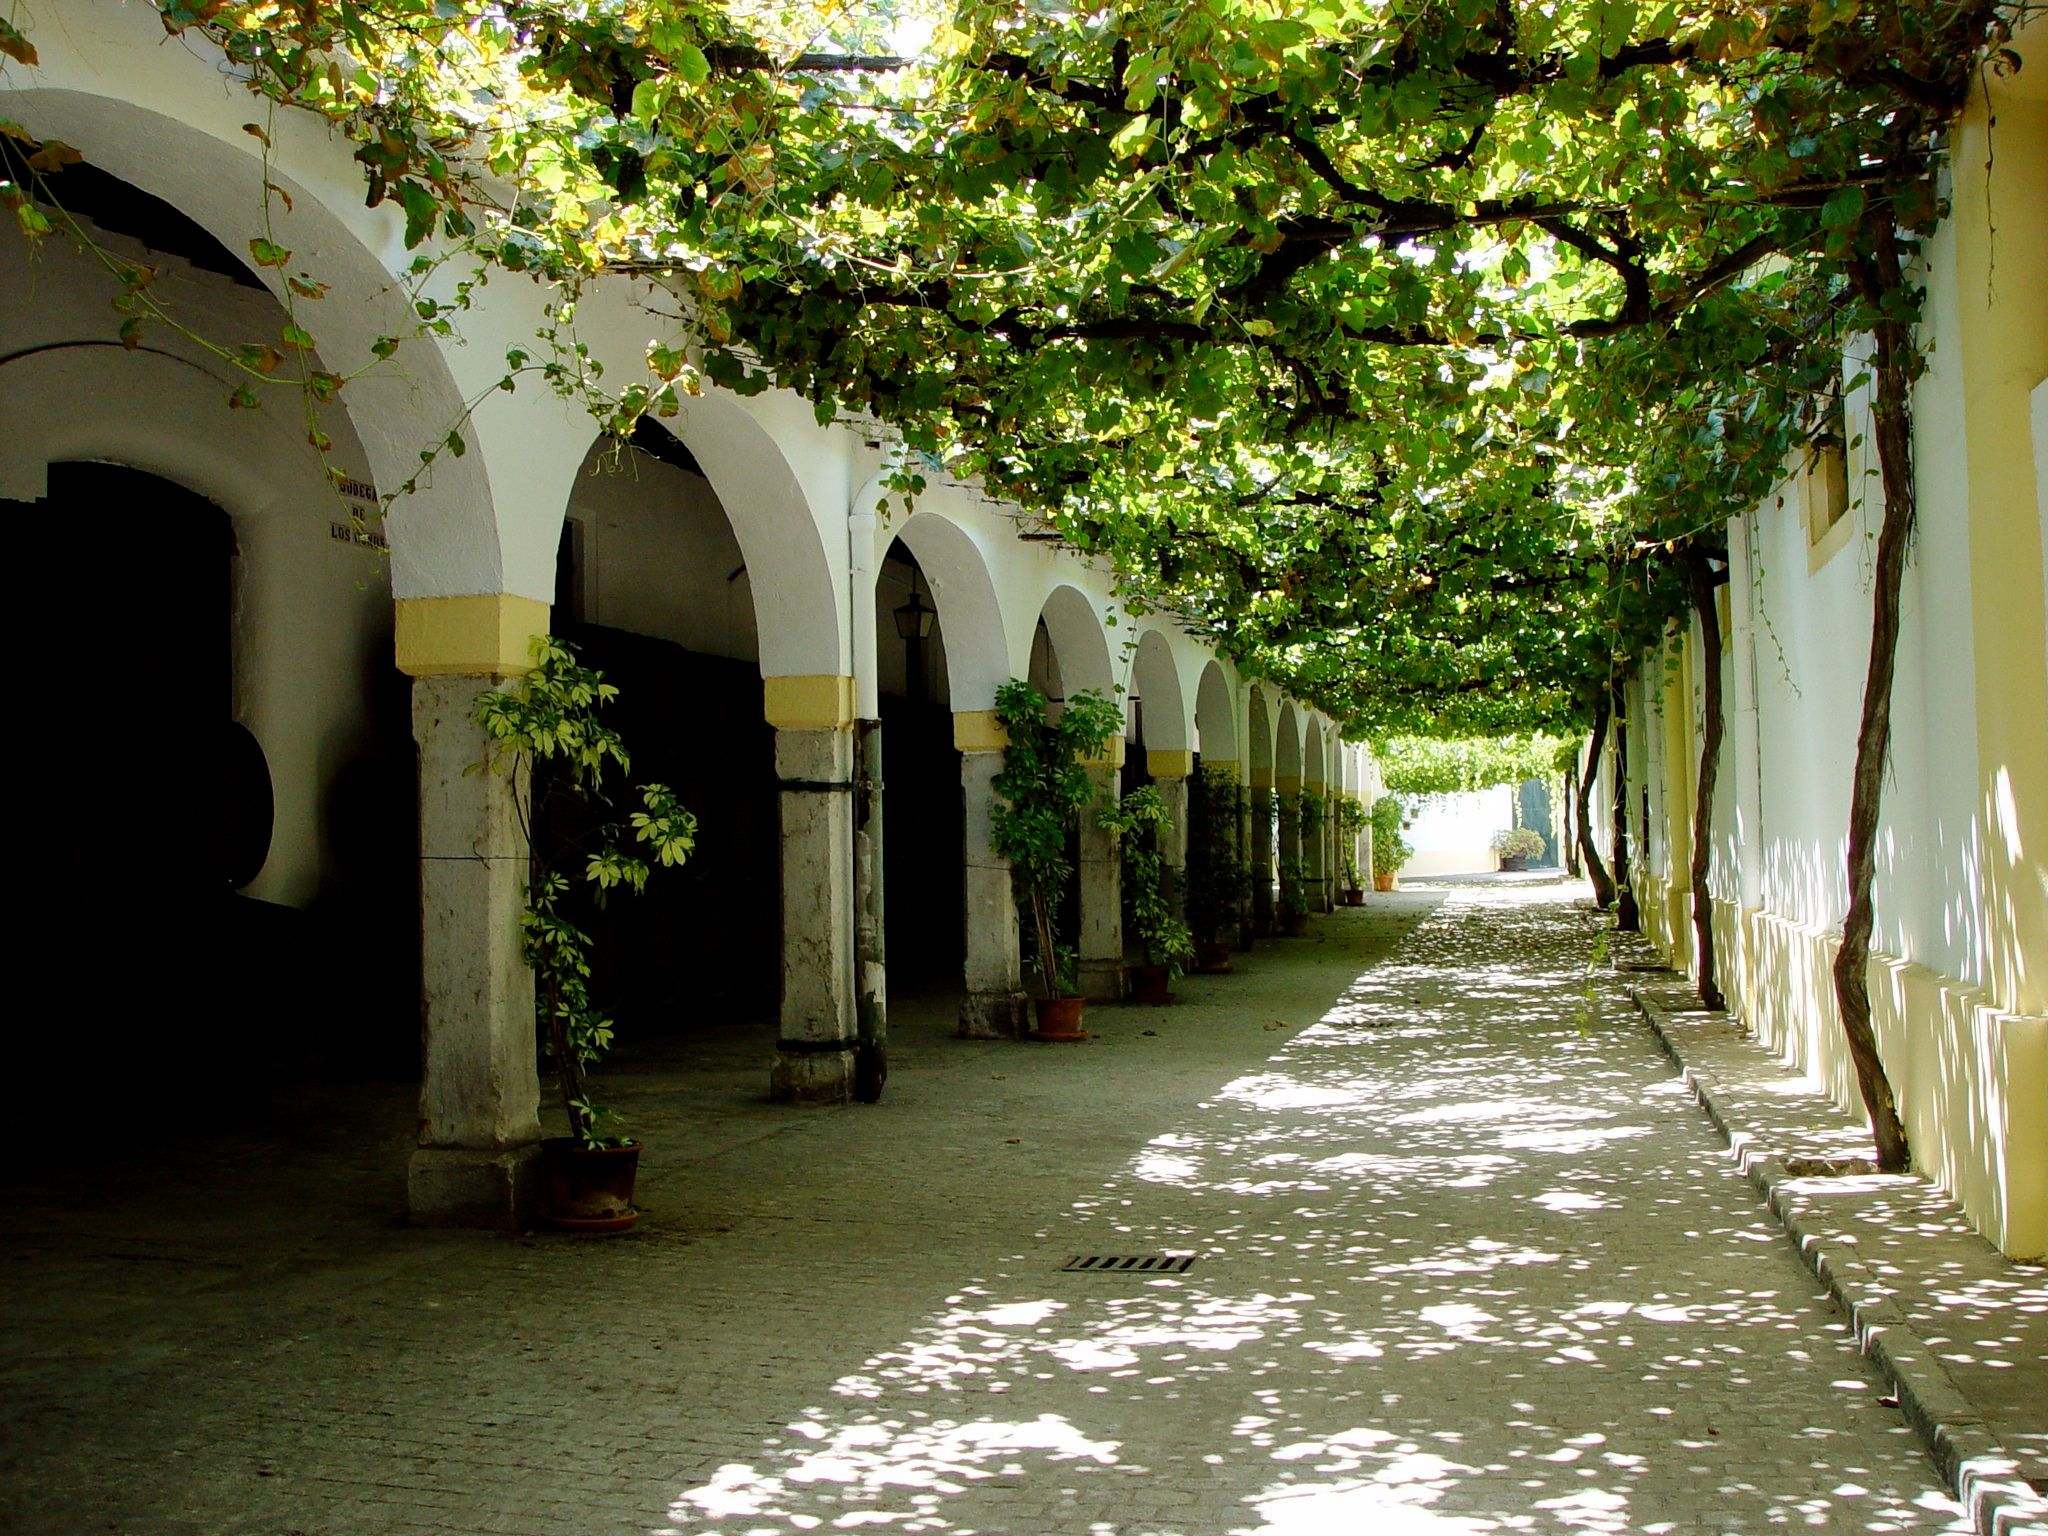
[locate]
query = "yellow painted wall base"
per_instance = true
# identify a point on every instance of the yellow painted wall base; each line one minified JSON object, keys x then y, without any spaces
{"x":1971,"y":1080}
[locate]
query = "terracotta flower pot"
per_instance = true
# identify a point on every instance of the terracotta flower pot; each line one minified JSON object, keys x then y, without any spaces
{"x":1383,"y":882}
{"x":1151,"y":984}
{"x":1354,"y":896}
{"x":585,"y":1189}
{"x":1212,"y":956}
{"x":1294,"y":924}
{"x":1510,"y":862}
{"x":1059,"y":1018}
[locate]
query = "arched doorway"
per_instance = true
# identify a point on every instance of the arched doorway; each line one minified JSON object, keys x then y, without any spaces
{"x":654,"y":590}
{"x":922,"y":826}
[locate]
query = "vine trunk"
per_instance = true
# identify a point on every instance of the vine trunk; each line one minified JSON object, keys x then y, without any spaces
{"x":1627,"y":917}
{"x":1596,"y":870}
{"x":1702,"y":582}
{"x":1880,"y":281}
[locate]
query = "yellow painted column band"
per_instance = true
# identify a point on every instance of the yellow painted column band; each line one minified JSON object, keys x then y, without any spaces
{"x":486,"y":635}
{"x":978,"y":730}
{"x":1288,"y":783}
{"x":1111,"y":755}
{"x":818,"y":702}
{"x":1169,"y":764}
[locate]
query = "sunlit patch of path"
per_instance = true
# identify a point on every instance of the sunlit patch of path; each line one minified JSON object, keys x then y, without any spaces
{"x":1467,"y":1262}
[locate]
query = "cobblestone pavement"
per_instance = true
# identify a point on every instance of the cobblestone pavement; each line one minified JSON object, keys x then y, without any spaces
{"x":1466,"y":1261}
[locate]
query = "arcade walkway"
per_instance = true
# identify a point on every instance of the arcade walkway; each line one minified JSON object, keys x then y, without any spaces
{"x":1467,"y":1260}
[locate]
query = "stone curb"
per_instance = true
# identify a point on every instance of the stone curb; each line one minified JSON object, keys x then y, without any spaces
{"x":1979,"y":1470}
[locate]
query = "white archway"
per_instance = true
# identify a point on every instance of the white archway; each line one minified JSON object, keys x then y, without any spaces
{"x":444,"y":539}
{"x":1080,"y":642}
{"x":970,"y":610}
{"x":1156,"y":684}
{"x":1287,"y":766}
{"x":1215,"y":718}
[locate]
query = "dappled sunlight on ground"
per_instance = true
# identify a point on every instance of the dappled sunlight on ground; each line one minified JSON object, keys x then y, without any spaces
{"x":1894,"y":1238}
{"x":1466,"y":1261}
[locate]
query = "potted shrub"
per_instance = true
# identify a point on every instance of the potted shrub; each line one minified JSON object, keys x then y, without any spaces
{"x":1216,"y":879}
{"x":544,"y":732}
{"x":1390,"y":850}
{"x":1149,"y":913}
{"x":1350,"y":822}
{"x":1293,"y":915}
{"x":1516,"y":846}
{"x":1041,"y":793}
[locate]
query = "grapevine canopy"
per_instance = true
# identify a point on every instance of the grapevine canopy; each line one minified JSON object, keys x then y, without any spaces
{"x":1407,"y":348}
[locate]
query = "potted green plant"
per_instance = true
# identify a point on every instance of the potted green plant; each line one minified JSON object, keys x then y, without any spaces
{"x":1293,"y":915}
{"x":1390,"y":850}
{"x":1215,"y":871}
{"x":1041,"y":793}
{"x":1516,"y":846}
{"x":543,"y":731}
{"x":1350,"y":822}
{"x":1138,"y":821}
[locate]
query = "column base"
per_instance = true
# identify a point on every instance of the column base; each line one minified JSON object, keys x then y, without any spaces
{"x":812,"y":1076}
{"x":473,"y":1187}
{"x":994,"y":1015}
{"x":1101,"y":981}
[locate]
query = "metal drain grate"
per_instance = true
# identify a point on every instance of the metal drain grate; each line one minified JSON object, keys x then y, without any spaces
{"x":1131,"y":1263}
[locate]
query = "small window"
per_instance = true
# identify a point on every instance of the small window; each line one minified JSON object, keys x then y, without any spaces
{"x":1827,"y":479}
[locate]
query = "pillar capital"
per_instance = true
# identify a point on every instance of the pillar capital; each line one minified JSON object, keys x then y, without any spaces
{"x":816,"y":702}
{"x":486,"y":634}
{"x":1169,"y":763}
{"x":978,"y":730}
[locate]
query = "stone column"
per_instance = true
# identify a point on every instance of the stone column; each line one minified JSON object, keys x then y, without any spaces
{"x":814,"y":1054}
{"x":1102,"y":906}
{"x":479,"y":1129}
{"x":1262,"y":860}
{"x":871,"y":970}
{"x":1238,"y":834}
{"x":1333,"y":839}
{"x":1315,"y":853}
{"x":1170,"y":771}
{"x":994,"y":1006}
{"x":1289,"y":831}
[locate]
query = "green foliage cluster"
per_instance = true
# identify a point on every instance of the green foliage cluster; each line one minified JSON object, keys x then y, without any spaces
{"x":1404,"y":349}
{"x":1043,"y":789}
{"x":545,"y":733}
{"x":1518,"y":843}
{"x":1293,"y":892}
{"x":1216,"y":867}
{"x":1138,"y":821}
{"x":1425,"y":765}
{"x":1390,"y":816}
{"x":1351,"y":821}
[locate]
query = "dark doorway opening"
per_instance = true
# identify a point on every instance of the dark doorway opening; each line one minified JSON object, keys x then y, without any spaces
{"x":924,"y":879}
